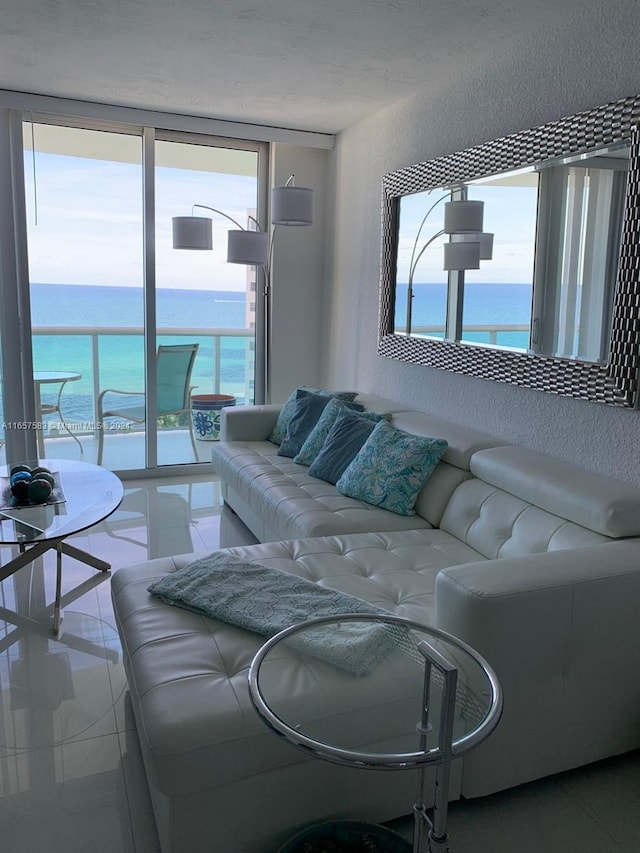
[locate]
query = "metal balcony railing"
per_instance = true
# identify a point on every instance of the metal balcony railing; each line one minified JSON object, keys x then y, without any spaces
{"x":492,"y":334}
{"x":113,"y":357}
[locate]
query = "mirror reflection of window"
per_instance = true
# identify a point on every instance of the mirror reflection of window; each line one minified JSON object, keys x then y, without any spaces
{"x":427,"y":312}
{"x":582,"y":209}
{"x":497,"y":297}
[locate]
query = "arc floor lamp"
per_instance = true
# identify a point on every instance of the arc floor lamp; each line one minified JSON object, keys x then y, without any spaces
{"x":468,"y":243}
{"x":251,"y":246}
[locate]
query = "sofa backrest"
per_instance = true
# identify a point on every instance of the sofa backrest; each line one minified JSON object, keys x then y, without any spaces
{"x":453,"y":469}
{"x":521,"y":502}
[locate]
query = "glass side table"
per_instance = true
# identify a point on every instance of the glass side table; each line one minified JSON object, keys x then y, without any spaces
{"x":88,"y":495}
{"x":379,"y":692}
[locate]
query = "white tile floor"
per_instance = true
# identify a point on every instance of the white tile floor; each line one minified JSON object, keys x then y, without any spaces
{"x":71,"y":777}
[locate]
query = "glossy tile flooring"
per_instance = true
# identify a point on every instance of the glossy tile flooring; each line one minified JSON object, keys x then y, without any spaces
{"x":71,"y":777}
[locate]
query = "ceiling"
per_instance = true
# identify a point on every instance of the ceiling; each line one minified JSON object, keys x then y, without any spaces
{"x":308,"y":64}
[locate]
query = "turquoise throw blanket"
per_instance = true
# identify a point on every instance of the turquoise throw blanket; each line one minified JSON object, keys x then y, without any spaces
{"x":266,"y":601}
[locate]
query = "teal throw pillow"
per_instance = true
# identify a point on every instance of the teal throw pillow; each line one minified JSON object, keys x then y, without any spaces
{"x":305,"y":415}
{"x":346,"y":437}
{"x":391,"y":468}
{"x":288,"y":408}
{"x":318,"y":435}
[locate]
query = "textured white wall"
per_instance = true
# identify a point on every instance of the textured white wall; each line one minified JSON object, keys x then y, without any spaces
{"x":298,"y":276}
{"x":591,"y":60}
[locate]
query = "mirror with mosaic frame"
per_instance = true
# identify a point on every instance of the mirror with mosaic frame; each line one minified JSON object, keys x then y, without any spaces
{"x":608,"y":374}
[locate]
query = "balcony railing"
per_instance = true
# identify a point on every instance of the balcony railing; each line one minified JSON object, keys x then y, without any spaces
{"x":512,"y":335}
{"x":113,"y":357}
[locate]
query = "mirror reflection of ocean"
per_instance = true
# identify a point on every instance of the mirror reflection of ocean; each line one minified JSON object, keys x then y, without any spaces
{"x":485,"y":304}
{"x":121,"y":356}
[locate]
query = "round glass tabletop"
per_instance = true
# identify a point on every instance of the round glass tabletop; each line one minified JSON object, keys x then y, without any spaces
{"x":370,"y":690}
{"x":46,"y":377}
{"x":83,"y":495}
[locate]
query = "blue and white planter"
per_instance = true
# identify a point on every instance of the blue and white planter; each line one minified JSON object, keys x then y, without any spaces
{"x":205,"y":414}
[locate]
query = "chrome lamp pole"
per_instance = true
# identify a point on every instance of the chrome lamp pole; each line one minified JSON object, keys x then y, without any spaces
{"x":290,"y":205}
{"x":468,"y":243}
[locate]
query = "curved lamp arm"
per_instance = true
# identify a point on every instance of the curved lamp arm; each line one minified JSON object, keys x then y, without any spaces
{"x":414,"y":264}
{"x":226,"y":216}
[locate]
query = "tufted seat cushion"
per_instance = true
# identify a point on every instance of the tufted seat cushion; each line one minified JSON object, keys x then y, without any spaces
{"x":188,"y":674}
{"x":291,"y":502}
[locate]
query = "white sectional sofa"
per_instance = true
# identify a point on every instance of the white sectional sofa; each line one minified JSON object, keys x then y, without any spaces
{"x":533,"y":562}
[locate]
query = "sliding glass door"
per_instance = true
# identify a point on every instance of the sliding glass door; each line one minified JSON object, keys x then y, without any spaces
{"x":108,"y":293}
{"x":200,"y":299}
{"x":85,"y":239}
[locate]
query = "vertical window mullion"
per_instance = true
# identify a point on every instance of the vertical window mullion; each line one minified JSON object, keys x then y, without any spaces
{"x":571,"y":264}
{"x":15,"y":314}
{"x":149,"y":243}
{"x":262,"y":299}
{"x":594,"y":283}
{"x":455,"y":305}
{"x":455,"y":289}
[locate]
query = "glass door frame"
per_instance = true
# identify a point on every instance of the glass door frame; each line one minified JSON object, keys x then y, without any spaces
{"x":15,"y":319}
{"x":150,"y":137}
{"x":15,"y":312}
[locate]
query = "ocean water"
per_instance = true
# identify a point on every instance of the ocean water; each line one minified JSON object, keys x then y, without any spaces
{"x":121,"y":356}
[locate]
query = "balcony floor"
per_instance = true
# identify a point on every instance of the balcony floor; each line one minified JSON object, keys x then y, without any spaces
{"x":126,"y":451}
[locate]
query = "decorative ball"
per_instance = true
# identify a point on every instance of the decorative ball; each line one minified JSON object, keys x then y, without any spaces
{"x":20,"y":490}
{"x":20,"y":476}
{"x":15,"y":469}
{"x":39,"y":490}
{"x":45,"y":475}
{"x":39,"y":470}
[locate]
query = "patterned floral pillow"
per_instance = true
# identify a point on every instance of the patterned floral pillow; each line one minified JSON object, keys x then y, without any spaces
{"x":289,"y":406}
{"x":391,"y":468}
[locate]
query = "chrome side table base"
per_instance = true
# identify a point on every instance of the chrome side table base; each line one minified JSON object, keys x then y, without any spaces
{"x":437,"y":834}
{"x":440,"y":685}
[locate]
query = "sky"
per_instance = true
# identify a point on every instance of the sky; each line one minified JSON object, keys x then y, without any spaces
{"x":509,"y":213}
{"x":89,"y":223}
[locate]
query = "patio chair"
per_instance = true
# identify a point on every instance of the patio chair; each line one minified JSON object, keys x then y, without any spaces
{"x":174,"y":364}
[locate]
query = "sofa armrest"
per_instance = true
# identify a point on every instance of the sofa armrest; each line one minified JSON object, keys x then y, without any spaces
{"x":561,"y":631}
{"x":248,"y":423}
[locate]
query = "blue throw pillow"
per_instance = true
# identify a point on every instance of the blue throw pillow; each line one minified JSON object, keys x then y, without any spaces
{"x":317,"y":437}
{"x":346,"y":437}
{"x":391,"y":468}
{"x":308,"y":409}
{"x":288,"y":408}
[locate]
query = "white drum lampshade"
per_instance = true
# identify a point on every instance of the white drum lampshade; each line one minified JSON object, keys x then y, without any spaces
{"x":486,"y":246}
{"x":463,"y":217}
{"x":291,"y":206}
{"x":464,"y":255}
{"x":485,"y":239}
{"x":192,"y":232}
{"x":248,"y":247}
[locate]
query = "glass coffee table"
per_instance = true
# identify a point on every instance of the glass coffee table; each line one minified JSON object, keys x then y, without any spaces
{"x":379,"y":692}
{"x":84,"y":495}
